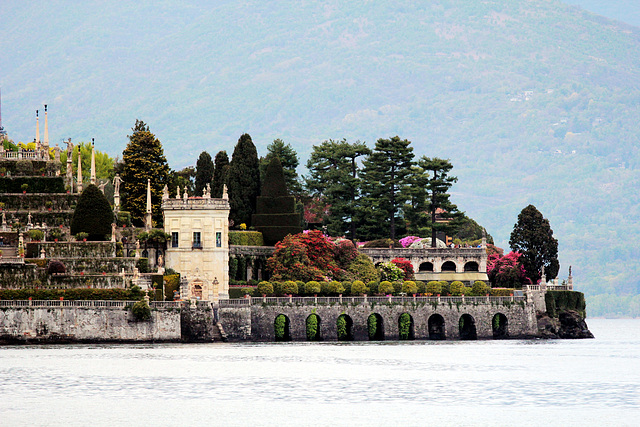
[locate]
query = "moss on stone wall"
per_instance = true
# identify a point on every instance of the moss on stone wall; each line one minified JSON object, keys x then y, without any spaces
{"x":559,"y":301}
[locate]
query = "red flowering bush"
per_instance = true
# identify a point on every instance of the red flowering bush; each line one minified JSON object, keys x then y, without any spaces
{"x":406,"y":266}
{"x":506,"y":271}
{"x":304,"y":256}
{"x":346,"y":252}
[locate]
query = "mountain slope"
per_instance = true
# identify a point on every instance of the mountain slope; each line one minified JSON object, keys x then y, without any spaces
{"x":533,"y":101}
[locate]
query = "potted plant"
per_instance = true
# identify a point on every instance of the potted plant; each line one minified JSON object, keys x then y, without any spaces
{"x":24,"y":188}
{"x":48,"y":204}
{"x":82,"y":236}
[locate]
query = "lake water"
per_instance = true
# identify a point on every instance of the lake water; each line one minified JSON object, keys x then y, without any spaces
{"x":583,"y":382}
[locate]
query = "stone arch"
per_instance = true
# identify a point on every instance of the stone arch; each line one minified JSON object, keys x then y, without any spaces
{"x":449,"y":266}
{"x":145,"y":253}
{"x":471,"y":266}
{"x":344,"y":326}
{"x":467,"y":327}
{"x":375,"y":327}
{"x":426,"y":266}
{"x":436,"y":327}
{"x":131,"y":253}
{"x":500,"y":326}
{"x":406,"y":327}
{"x":282,"y":328}
{"x":313,"y":327}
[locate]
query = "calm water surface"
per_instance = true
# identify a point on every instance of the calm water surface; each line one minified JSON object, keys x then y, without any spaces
{"x":585,"y":382}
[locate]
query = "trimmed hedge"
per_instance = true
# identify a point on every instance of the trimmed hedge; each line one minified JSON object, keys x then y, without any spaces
{"x":37,"y":184}
{"x":246,"y":238}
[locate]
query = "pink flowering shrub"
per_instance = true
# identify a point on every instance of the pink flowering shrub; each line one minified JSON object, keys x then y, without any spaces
{"x":407,"y":241}
{"x":506,"y":271}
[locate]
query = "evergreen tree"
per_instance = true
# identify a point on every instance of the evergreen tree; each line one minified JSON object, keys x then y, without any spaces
{"x":204,"y":173}
{"x":435,"y":179}
{"x":185,"y":179}
{"x":334,"y":177}
{"x":532,"y":236}
{"x":220,"y":172}
{"x":92,"y":215}
{"x":243,"y":181}
{"x":143,"y":159}
{"x":289,"y":159}
{"x":276,"y":216}
{"x":386,"y":186}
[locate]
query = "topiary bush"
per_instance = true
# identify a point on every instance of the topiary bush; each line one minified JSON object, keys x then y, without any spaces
{"x":383,"y":243}
{"x":409,"y":287}
{"x":92,"y":215}
{"x":434,"y":288}
{"x":456,"y":288}
{"x":312,"y":288}
{"x":479,"y":288}
{"x":385,"y":288}
{"x":141,"y":311}
{"x":341,"y":325}
{"x":358,"y":288}
{"x":362,"y":268}
{"x":404,"y":326}
{"x":373,"y":287}
{"x":422,"y":288}
{"x":335,"y":288}
{"x":265,"y":288}
{"x":313,"y":327}
{"x":56,"y":267}
{"x":290,"y":288}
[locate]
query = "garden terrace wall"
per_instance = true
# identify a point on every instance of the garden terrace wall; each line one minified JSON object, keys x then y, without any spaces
{"x":37,"y":184}
{"x":18,"y":276}
{"x":98,"y":265}
{"x":10,"y":165}
{"x":72,"y":249}
{"x":94,"y":281}
{"x":37,"y":202}
{"x":51,"y":219}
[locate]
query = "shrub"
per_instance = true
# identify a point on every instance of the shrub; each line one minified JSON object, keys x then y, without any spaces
{"x":246,"y":238}
{"x":346,"y":253}
{"x":389,"y":271}
{"x":397,"y":286}
{"x":290,"y":288}
{"x":92,"y":215}
{"x":24,"y":187}
{"x":409,"y":287}
{"x":404,"y":326}
{"x":312,"y":288}
{"x":501,"y":292}
{"x":373,"y":287}
{"x":406,"y":266}
{"x":36,"y":235}
{"x":233,"y":267}
{"x":422,"y":288}
{"x":362,"y":268}
{"x":171,"y":284}
{"x":341,"y":325}
{"x":479,"y":288}
{"x":279,"y":326}
{"x":385,"y":287}
{"x":123,"y":218}
{"x":141,"y":311}
{"x":434,"y":288}
{"x":358,"y":288}
{"x":24,"y":167}
{"x":265,"y":288}
{"x":81,"y":236}
{"x":142,"y":265}
{"x":313,"y":330}
{"x":445,"y":288}
{"x":456,"y":288}
{"x":335,"y":288}
{"x":466,"y":291}
{"x":347,"y":288}
{"x":383,"y":243}
{"x":301,"y":286}
{"x":55,"y":266}
{"x":407,"y":241}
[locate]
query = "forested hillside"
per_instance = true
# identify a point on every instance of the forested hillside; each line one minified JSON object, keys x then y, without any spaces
{"x":533,"y":101}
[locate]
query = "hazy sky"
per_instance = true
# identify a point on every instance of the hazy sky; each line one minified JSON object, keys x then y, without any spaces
{"x":623,"y":10}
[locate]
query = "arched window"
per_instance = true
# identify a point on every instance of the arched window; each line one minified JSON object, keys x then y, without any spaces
{"x":426,"y":266}
{"x":471,"y":266}
{"x":449,"y":266}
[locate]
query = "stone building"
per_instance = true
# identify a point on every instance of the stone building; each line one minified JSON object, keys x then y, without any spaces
{"x":199,"y":246}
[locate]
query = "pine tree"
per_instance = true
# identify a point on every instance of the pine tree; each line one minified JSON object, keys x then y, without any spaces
{"x":334,"y":178}
{"x":143,"y":159}
{"x":386,"y":186}
{"x":433,"y":176}
{"x":289,"y":159}
{"x":276,"y":216}
{"x":92,"y":215}
{"x":220,"y":172}
{"x":204,"y":173}
{"x":243,"y":181}
{"x":532,"y":236}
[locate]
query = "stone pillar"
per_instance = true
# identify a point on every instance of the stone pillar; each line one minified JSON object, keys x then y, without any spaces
{"x":70,"y":173}
{"x":147,"y":217}
{"x":93,"y":163}
{"x":45,"y":143}
{"x":37,"y":131}
{"x":79,"y":178}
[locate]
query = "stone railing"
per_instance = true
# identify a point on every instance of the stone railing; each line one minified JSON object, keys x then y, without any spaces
{"x":256,"y":251}
{"x":21,"y":154}
{"x":195,"y":203}
{"x":11,"y":260}
{"x":87,"y":304}
{"x":239,"y":302}
{"x":426,"y":252}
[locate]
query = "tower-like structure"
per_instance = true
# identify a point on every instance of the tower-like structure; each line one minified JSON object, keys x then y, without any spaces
{"x":3,"y":133}
{"x":45,"y":143}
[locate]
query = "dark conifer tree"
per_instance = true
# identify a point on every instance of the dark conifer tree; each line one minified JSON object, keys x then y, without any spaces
{"x":204,"y":173}
{"x":532,"y":236}
{"x":143,"y":159}
{"x":221,"y":169}
{"x":92,"y":215}
{"x":243,"y":181}
{"x":276,"y":216}
{"x":386,"y":184}
{"x":289,"y":159}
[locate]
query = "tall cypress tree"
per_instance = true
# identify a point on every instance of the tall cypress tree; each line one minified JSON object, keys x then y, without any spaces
{"x":204,"y":172}
{"x":243,"y":180}
{"x":386,"y":185}
{"x":143,"y":159}
{"x":221,"y":169}
{"x":532,"y":236}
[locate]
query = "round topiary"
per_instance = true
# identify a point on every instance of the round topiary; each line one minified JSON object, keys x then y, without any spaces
{"x":55,"y":267}
{"x":290,"y":287}
{"x":385,"y":287}
{"x":265,"y":288}
{"x":434,"y":288}
{"x":409,"y":287}
{"x":312,"y":288}
{"x":456,"y":288}
{"x":358,"y":288}
{"x":92,"y":215}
